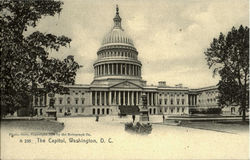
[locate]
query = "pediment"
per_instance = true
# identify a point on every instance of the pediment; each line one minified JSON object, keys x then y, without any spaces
{"x":126,"y":85}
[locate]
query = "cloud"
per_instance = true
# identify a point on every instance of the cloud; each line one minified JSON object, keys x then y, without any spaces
{"x":171,"y":36}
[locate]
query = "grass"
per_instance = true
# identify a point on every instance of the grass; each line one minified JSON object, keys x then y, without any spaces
{"x":220,"y":126}
{"x":32,"y":125}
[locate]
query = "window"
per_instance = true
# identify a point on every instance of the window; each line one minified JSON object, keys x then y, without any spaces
{"x":103,"y":111}
{"x":83,"y":100}
{"x":41,"y":111}
{"x":160,"y":101}
{"x":82,"y":93}
{"x":107,"y":111}
{"x":93,"y":111}
{"x":60,"y":101}
{"x":165,"y":108}
{"x":68,"y":101}
{"x":182,"y":109}
{"x":166,"y":101}
{"x":178,"y":101}
{"x":172,"y":110}
{"x":182,"y":101}
{"x":76,"y":110}
{"x":41,"y":100}
{"x":172,"y":101}
{"x":178,"y":109}
{"x":36,"y":101}
{"x":76,"y":101}
{"x":60,"y":110}
{"x":82,"y":110}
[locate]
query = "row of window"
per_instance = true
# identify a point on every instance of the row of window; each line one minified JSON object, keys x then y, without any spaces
{"x":178,"y":109}
{"x":76,"y":110}
{"x":77,"y":92}
{"x":171,"y":95}
{"x":69,"y":101}
{"x":178,"y":101}
{"x":211,"y":100}
{"x":117,"y":54}
{"x":99,"y":111}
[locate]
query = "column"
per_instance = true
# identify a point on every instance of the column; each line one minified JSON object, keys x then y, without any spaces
{"x":175,"y":99}
{"x":105,"y":98}
{"x":100,"y":69}
{"x":132,"y":69}
{"x":115,"y":98}
{"x":147,"y":98}
{"x":152,"y":99}
{"x":195,"y":99}
{"x":110,"y":97}
{"x":129,"y":99}
{"x":108,"y":69}
{"x":155,"y":100}
{"x":95,"y":97}
{"x":125,"y":66}
{"x":137,"y":98}
{"x":136,"y":70}
{"x":122,"y":65}
{"x":100,"y":72}
{"x":186,"y":99}
{"x":128,"y":69}
{"x":103,"y":69}
{"x":90,"y":98}
{"x":139,"y":71}
{"x":119,"y":97}
{"x":132,"y":99}
{"x":123,"y":98}
{"x":100,"y":98}
{"x":116,"y":68}
{"x":112,"y":70}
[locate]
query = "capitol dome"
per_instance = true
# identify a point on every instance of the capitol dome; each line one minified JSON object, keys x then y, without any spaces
{"x":117,"y":35}
{"x":117,"y":58}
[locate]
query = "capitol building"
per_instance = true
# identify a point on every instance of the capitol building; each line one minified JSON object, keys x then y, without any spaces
{"x":118,"y":85}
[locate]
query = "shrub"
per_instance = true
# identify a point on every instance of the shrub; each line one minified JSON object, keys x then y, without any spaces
{"x":205,"y":111}
{"x":139,"y":128}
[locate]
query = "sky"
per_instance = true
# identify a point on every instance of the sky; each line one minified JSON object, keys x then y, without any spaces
{"x":170,"y":36}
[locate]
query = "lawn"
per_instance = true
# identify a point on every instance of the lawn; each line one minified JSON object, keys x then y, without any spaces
{"x":220,"y":126}
{"x":31,"y":125}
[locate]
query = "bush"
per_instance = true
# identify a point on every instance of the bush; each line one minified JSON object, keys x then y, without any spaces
{"x":139,"y":128}
{"x":206,"y":111}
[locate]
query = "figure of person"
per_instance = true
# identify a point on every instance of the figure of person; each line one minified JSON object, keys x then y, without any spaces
{"x":133,"y":117}
{"x":163,"y":117}
{"x":97,"y":118}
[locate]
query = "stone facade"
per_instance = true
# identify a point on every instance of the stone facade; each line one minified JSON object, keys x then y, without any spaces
{"x":118,"y":82}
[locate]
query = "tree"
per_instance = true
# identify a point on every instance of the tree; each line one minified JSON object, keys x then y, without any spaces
{"x":25,"y":63}
{"x":228,"y":56}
